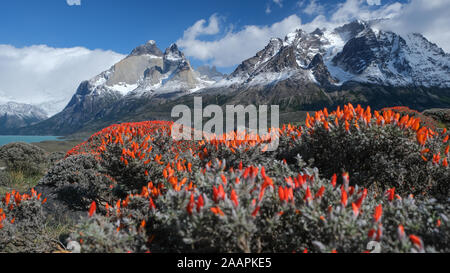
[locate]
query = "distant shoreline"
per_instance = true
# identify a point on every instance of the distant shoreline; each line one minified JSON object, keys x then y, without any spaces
{"x":58,"y":145}
{"x":48,"y":143}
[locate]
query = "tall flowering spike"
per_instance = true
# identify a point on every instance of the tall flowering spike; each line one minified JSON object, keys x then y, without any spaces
{"x":378,"y":213}
{"x":190,"y":205}
{"x":224,"y":179}
{"x":334,"y":180}
{"x":200,"y":203}
{"x":320,"y":192}
{"x":217,"y":211}
{"x":221,"y":192}
{"x":416,"y":241}
{"x":308,"y":196}
{"x":281,"y":193}
{"x":391,"y":194}
{"x":152,"y":204}
{"x":289,"y":193}
{"x":355,"y":209}
{"x":326,"y":125}
{"x":92,"y":208}
{"x":17,"y":198}
{"x":7,"y":198}
{"x":234,"y":198}
{"x":343,"y":197}
{"x":263,"y":172}
{"x":361,"y":199}
{"x":346,"y":180}
{"x":255,"y":212}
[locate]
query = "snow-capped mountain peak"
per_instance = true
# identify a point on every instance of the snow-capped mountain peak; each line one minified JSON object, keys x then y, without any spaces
{"x":16,"y":115}
{"x":357,"y":51}
{"x":357,"y":62}
{"x":149,"y":48}
{"x":147,"y":70}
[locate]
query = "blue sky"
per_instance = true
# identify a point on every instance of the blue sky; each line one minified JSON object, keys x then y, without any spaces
{"x":56,"y":44}
{"x":121,"y":25}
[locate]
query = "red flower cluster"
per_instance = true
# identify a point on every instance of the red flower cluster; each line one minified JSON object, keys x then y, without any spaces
{"x":13,"y":200}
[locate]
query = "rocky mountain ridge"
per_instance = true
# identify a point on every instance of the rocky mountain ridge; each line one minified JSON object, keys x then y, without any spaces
{"x":17,"y":115}
{"x":356,"y":62}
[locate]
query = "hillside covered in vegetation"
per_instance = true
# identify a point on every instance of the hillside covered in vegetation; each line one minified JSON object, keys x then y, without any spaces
{"x":345,"y":178}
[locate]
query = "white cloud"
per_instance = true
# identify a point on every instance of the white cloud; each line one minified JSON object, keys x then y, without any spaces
{"x":313,"y":8}
{"x":234,"y":46}
{"x":73,"y":2}
{"x":278,"y":2}
{"x":430,"y":18}
{"x":199,"y":28}
{"x":40,"y":73}
{"x":358,"y":9}
{"x":427,"y":17}
{"x":373,"y":2}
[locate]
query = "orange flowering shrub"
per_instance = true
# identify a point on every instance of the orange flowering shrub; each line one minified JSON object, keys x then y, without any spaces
{"x":403,"y":111}
{"x":22,"y":223}
{"x":382,"y":149}
{"x":249,"y":209}
{"x":231,"y":196}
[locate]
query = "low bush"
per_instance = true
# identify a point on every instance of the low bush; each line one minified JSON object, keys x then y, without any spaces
{"x":22,"y":224}
{"x":78,"y":180}
{"x":148,"y":192}
{"x":23,"y":157}
{"x":245,"y":210}
{"x":381,"y":150}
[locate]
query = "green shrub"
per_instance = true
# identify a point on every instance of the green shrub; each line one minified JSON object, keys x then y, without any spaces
{"x":382,"y":153}
{"x":22,"y":224}
{"x":24,"y":157}
{"x":225,"y":196}
{"x":250,"y":221}
{"x":78,"y":180}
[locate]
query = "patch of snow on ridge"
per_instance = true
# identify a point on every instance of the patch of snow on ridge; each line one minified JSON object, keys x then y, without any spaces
{"x":22,"y":110}
{"x":271,"y":77}
{"x":202,"y":84}
{"x":338,"y":73}
{"x":426,"y":57}
{"x":173,"y":57}
{"x":123,"y":88}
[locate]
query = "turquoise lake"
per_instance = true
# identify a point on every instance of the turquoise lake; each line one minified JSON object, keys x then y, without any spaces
{"x":28,"y":139}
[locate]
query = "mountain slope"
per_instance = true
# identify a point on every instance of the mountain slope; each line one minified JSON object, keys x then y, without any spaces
{"x":16,"y":115}
{"x":356,"y":63}
{"x":146,"y":72}
{"x":354,"y":52}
